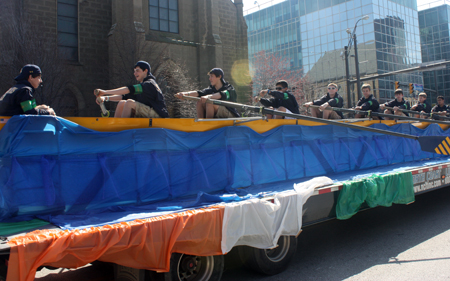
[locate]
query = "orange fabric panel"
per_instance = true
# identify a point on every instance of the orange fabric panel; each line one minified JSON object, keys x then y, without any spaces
{"x":143,"y":244}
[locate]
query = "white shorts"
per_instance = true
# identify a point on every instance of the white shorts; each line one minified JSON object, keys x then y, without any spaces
{"x":288,"y":111}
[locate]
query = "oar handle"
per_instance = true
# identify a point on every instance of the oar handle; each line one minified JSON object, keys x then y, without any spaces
{"x":211,"y":101}
{"x":408,"y":111}
{"x":105,"y":112}
{"x":191,"y":98}
{"x":350,"y":110}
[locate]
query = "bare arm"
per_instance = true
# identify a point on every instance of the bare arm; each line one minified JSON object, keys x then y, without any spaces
{"x":115,"y":92}
{"x":111,"y":95}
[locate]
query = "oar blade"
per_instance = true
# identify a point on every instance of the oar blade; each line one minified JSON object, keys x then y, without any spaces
{"x":435,"y":144}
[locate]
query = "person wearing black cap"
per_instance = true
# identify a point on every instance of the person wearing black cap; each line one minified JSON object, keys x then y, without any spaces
{"x":219,"y":90}
{"x":145,"y":99}
{"x":282,"y":100}
{"x":398,"y":103}
{"x":19,"y":99}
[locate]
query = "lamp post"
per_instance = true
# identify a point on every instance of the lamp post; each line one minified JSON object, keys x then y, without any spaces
{"x":347,"y":75}
{"x":347,"y":51}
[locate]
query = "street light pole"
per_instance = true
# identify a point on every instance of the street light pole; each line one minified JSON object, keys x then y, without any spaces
{"x":358,"y":77}
{"x":347,"y":75}
{"x":347,"y":50}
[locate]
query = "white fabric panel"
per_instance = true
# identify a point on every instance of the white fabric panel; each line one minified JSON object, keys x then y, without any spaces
{"x":259,"y":223}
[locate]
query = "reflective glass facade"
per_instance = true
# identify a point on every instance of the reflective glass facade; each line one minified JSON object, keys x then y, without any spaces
{"x":434,"y":38}
{"x":312,"y":35}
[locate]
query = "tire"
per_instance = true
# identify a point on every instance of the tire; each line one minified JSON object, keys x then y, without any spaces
{"x":194,"y":268}
{"x":270,"y":261}
{"x":125,"y":273}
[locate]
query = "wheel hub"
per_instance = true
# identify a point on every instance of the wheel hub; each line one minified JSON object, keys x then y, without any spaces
{"x":277,"y":254}
{"x":195,"y":268}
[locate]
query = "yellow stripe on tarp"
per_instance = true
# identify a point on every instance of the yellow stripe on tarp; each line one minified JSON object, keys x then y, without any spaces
{"x":442,"y":149}
{"x":448,"y":140}
{"x":444,"y":143}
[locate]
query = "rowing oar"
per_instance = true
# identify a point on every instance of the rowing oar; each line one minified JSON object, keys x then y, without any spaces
{"x":373,"y":113}
{"x":434,"y":144}
{"x":417,"y":112}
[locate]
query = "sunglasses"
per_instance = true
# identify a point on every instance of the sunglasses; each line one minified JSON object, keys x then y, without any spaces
{"x":331,"y":88}
{"x":278,"y":88}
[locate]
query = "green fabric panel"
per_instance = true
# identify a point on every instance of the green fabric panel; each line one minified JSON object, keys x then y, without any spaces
{"x":375,"y":191}
{"x":8,"y":228}
{"x":352,"y":195}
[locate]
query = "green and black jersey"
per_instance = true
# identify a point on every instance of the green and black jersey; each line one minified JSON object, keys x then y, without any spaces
{"x":369,"y":104}
{"x":227,"y":93}
{"x":286,"y":100}
{"x":148,"y":93}
{"x":402,"y":105}
{"x":19,"y":100}
{"x":336,"y":101}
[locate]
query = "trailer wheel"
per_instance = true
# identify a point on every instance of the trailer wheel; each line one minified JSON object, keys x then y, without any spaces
{"x":270,"y":261}
{"x":125,"y":273}
{"x":194,"y":268}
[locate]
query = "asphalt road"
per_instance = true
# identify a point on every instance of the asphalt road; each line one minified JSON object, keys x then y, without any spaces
{"x":402,"y":242}
{"x":397,"y":243}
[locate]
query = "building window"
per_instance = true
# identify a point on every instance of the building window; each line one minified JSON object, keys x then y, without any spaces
{"x":68,"y":29}
{"x":164,"y":15}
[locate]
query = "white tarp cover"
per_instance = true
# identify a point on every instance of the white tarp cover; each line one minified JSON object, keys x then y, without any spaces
{"x":259,"y":223}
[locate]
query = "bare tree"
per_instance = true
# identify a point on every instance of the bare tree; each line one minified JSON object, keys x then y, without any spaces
{"x":269,"y":68}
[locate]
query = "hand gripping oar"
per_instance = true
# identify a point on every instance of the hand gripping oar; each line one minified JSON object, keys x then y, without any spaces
{"x":417,"y":112}
{"x":434,"y":144}
{"x":105,"y":112}
{"x":373,"y":113}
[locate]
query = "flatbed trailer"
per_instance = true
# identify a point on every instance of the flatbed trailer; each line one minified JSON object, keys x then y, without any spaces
{"x":320,"y":207}
{"x":200,"y":236}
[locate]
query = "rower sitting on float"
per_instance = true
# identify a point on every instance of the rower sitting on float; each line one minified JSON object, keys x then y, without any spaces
{"x":367,"y":102}
{"x":282,"y":100}
{"x":396,"y":105}
{"x":331,"y":99}
{"x":143,"y":100}
{"x":219,"y":89}
{"x":20,"y":98}
{"x":422,"y":106}
{"x":440,"y":109}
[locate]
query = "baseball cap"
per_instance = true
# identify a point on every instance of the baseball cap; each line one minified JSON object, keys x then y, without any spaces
{"x":28,"y":70}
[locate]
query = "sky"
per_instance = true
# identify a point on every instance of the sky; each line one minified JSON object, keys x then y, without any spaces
{"x":250,"y":6}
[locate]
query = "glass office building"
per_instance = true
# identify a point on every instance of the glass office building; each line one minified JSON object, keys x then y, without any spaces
{"x":434,"y":26}
{"x":312,"y":34}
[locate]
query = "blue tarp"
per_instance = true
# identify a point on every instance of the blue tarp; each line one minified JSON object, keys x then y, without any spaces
{"x":51,"y":166}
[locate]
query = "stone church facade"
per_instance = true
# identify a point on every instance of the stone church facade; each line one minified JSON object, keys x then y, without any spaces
{"x":100,"y":40}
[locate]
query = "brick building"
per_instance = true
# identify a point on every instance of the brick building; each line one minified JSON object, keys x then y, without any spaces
{"x":100,"y":40}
